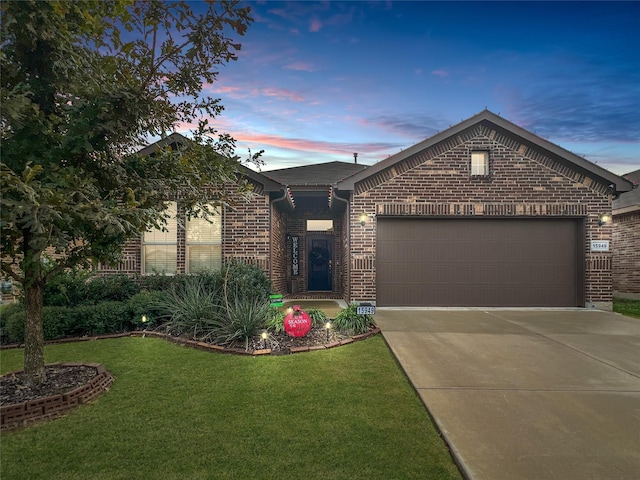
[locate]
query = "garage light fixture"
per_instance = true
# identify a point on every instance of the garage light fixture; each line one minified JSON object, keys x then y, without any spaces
{"x":363,"y":219}
{"x":604,"y":219}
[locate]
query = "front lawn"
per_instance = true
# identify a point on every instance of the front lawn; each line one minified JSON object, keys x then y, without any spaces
{"x":630,"y":308}
{"x":178,"y":413}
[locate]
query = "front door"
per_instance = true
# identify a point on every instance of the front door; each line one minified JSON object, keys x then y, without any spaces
{"x":319,"y":258}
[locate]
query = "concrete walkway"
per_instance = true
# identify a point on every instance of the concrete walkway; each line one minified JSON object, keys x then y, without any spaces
{"x":526,"y":394}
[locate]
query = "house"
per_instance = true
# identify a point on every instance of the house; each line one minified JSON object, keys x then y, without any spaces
{"x":626,"y":241}
{"x":482,"y":214}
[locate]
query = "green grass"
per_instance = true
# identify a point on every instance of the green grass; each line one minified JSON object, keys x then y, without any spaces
{"x":627,"y":307}
{"x":178,"y":413}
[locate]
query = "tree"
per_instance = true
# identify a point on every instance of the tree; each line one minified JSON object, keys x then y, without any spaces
{"x":83,"y":85}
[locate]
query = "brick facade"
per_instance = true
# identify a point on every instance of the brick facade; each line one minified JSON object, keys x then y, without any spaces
{"x":436,"y":182}
{"x":528,"y":177}
{"x":626,"y":259}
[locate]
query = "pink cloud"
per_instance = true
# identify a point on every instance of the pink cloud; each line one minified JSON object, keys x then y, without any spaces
{"x":440,"y":73}
{"x":315,"y":146}
{"x":282,"y":93}
{"x":315,"y":26}
{"x":300,"y":66}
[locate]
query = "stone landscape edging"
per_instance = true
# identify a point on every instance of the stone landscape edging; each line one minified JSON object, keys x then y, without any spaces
{"x":19,"y":415}
{"x":205,"y":346}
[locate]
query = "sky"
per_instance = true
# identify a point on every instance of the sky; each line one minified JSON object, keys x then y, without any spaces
{"x":317,"y":81}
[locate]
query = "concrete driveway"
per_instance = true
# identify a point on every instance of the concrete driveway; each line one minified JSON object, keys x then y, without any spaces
{"x":526,"y":394}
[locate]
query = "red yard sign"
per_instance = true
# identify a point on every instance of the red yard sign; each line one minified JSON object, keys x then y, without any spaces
{"x":297,"y":323}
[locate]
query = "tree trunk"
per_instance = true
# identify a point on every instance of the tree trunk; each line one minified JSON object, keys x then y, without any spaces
{"x":33,"y":332}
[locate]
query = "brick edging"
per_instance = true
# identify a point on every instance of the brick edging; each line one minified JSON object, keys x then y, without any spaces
{"x":239,"y":351}
{"x":22,"y":414}
{"x":206,"y":346}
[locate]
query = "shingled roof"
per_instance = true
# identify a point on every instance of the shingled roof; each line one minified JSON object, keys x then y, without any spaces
{"x":321,"y":174}
{"x":511,"y":130}
{"x":629,"y":199}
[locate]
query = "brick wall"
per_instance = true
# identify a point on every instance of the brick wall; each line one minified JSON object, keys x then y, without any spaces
{"x":245,"y":237}
{"x":297,"y":225}
{"x":436,"y":182}
{"x":279,"y":259}
{"x":626,"y":256}
{"x":246,"y":232}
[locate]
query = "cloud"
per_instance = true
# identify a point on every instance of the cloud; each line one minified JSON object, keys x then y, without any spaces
{"x":300,"y":66}
{"x":314,"y":146}
{"x":315,"y":26}
{"x":282,"y":94}
{"x":417,"y":127}
{"x":440,"y":73}
{"x":575,"y":101}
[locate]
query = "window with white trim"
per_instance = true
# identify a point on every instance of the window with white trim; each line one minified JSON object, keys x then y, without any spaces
{"x":160,"y":248}
{"x":204,"y":242}
{"x":479,"y":163}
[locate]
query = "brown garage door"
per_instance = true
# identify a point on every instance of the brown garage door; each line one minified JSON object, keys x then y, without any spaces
{"x":479,"y":262}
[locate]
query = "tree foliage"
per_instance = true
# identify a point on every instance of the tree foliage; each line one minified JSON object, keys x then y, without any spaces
{"x":83,"y":85}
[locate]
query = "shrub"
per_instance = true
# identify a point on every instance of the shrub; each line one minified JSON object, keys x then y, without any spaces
{"x":245,"y":316}
{"x":349,"y":321}
{"x":67,"y":288}
{"x":241,"y":280}
{"x":55,"y":322}
{"x":145,"y":303}
{"x":110,"y":288}
{"x":5,"y":312}
{"x":275,"y":320}
{"x":81,"y":287}
{"x":189,"y":309}
{"x":13,"y":325}
{"x":318,"y":317}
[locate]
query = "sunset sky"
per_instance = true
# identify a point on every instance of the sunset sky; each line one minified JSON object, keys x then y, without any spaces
{"x":318,"y":81}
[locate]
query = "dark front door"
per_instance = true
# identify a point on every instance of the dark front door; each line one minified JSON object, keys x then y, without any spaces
{"x":319,"y":258}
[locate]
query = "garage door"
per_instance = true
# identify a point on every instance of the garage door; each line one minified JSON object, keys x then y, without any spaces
{"x":479,"y":262}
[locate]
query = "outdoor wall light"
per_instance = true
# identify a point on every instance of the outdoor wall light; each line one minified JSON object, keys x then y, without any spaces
{"x":363,"y":219}
{"x":604,"y":219}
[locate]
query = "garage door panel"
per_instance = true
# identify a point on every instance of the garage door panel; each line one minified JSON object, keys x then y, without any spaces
{"x":479,"y":262}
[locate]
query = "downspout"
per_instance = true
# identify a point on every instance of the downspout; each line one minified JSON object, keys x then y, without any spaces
{"x":348,"y":207}
{"x":285,"y":194}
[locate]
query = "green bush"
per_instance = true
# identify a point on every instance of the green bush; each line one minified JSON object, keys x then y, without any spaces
{"x":191,"y":309}
{"x":117,"y":288}
{"x":5,"y":312}
{"x":81,"y":287}
{"x":54,"y":324}
{"x":67,"y":288}
{"x":243,"y":281}
{"x":318,"y":317}
{"x":244,"y":318}
{"x":13,"y":325}
{"x":275,"y":320}
{"x":145,"y":303}
{"x":350,"y":322}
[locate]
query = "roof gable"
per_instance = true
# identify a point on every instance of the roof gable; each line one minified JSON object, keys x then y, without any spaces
{"x":176,"y":140}
{"x":629,"y":200}
{"x":488,"y":122}
{"x":320,"y":174}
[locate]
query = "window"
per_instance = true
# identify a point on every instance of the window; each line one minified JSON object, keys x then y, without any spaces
{"x":204,"y":242}
{"x":319,"y":225}
{"x":159,"y":248}
{"x":480,"y":163}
